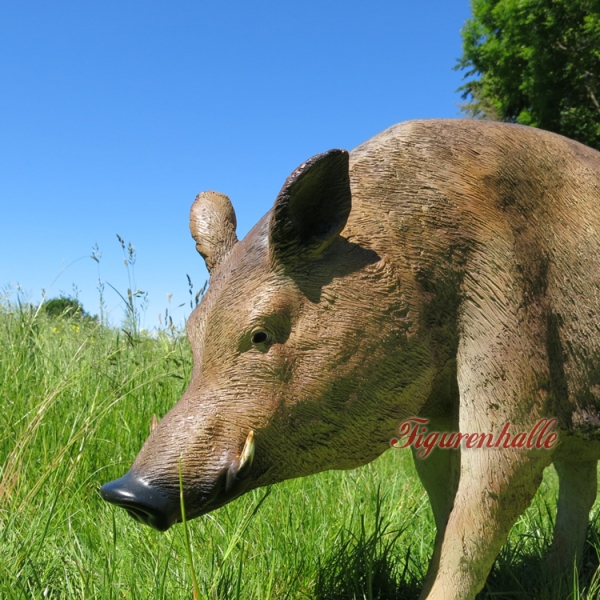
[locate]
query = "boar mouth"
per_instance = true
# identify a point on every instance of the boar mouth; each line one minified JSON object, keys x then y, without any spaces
{"x":159,"y":508}
{"x":144,"y":502}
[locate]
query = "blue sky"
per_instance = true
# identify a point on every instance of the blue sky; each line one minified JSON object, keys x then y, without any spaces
{"x":114,"y":115}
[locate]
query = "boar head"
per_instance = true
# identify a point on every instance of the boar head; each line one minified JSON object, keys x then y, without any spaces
{"x":293,"y":352}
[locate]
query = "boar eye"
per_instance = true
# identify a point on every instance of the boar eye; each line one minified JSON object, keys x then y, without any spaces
{"x":260,"y":337}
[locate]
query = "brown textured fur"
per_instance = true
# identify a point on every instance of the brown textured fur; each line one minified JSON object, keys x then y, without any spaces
{"x":463,"y":288}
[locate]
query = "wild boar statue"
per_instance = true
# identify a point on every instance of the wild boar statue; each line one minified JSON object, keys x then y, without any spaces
{"x":445,"y":271}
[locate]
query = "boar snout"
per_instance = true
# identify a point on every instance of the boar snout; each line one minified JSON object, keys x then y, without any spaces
{"x":144,"y":502}
{"x":151,"y":505}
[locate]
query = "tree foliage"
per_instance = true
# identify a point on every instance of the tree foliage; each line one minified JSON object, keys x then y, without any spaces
{"x":64,"y":307}
{"x":538,"y":63}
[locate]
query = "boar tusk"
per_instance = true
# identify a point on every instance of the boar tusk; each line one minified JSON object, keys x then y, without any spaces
{"x":247,"y":455}
{"x":237,"y":471}
{"x":153,"y":423}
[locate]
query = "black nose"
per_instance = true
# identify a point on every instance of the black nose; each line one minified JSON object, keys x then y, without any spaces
{"x":142,"y":501}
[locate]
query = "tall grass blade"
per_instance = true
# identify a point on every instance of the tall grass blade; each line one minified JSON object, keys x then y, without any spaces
{"x":188,"y":548}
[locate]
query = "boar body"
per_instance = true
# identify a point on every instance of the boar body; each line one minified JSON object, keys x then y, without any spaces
{"x":448,"y":270}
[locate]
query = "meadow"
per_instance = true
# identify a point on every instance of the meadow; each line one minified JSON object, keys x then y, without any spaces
{"x":77,"y":400}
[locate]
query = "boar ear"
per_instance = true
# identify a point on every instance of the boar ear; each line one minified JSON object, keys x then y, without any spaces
{"x":213,"y":223}
{"x":312,"y":207}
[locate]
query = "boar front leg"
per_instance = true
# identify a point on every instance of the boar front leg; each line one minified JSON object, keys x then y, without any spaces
{"x":576,"y":495}
{"x":439,"y":474}
{"x":502,"y":365}
{"x":493,"y":491}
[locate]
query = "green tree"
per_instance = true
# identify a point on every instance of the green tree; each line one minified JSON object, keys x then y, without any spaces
{"x":538,"y":63}
{"x":64,"y":307}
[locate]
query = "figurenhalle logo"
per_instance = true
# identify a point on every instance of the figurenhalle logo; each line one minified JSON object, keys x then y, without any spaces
{"x":413,"y":432}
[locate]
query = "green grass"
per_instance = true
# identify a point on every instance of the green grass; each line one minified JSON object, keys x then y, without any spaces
{"x":77,"y":401}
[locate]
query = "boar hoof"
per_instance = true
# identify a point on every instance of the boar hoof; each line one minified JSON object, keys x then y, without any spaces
{"x":143,"y":502}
